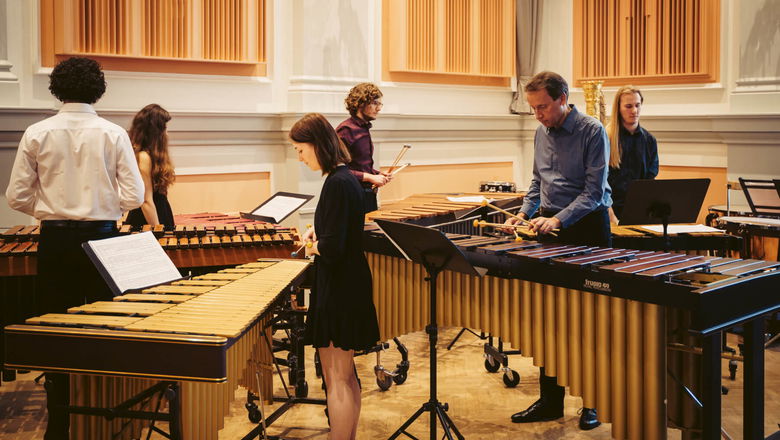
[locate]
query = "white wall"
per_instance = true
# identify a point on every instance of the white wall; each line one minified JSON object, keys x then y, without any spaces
{"x":318,"y":49}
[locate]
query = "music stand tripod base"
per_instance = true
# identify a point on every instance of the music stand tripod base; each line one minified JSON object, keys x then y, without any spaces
{"x":431,"y":249}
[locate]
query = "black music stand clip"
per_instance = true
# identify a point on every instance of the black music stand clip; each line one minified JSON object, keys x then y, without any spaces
{"x":667,"y":200}
{"x":431,"y":249}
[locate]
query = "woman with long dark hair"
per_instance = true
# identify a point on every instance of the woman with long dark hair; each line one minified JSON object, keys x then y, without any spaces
{"x":149,"y":136}
{"x":341,"y":317}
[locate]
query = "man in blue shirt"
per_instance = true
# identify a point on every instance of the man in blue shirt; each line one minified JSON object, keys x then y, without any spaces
{"x":569,"y":188}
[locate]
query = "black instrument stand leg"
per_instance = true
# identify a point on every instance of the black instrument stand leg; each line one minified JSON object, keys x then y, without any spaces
{"x":447,"y":424}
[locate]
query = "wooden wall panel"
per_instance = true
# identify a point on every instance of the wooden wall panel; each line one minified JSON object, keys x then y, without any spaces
{"x":449,"y":41}
{"x":646,"y":41}
{"x":176,"y":36}
{"x":463,"y":177}
{"x":230,"y":192}
{"x":716,"y":194}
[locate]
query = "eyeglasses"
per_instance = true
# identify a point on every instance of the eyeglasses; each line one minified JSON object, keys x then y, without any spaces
{"x":376,"y":103}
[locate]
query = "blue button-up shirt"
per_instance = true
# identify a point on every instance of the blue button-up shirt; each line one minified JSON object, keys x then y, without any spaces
{"x":570,"y":169}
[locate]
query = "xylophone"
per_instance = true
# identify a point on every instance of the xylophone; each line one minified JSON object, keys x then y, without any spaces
{"x":600,"y":320}
{"x":207,"y":333}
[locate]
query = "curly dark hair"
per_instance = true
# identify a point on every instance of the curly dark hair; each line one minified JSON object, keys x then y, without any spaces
{"x":77,"y":79}
{"x":550,"y":81}
{"x":360,"y":96}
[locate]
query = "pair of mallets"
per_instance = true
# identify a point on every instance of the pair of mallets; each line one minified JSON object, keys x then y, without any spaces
{"x":525,"y":223}
{"x":392,"y":171}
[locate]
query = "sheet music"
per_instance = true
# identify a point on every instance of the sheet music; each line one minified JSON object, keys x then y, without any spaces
{"x":279,"y":207}
{"x":134,"y":261}
{"x":681,"y":229}
{"x":469,"y":199}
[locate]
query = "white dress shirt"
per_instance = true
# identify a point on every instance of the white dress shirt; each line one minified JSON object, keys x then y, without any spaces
{"x":75,"y":165}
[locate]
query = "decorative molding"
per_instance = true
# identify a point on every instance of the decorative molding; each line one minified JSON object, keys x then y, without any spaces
{"x":227,"y":128}
{"x":752,"y":82}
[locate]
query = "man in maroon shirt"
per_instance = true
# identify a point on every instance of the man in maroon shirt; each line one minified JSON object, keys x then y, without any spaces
{"x":363,"y":103}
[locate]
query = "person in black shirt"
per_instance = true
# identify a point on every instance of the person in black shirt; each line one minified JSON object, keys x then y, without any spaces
{"x":341,"y":316}
{"x":633,"y":150}
{"x":149,"y":134}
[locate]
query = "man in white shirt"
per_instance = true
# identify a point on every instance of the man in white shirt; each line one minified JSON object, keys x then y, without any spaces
{"x":75,"y":172}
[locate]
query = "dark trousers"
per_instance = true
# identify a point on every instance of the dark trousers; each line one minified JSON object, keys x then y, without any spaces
{"x":67,"y":278}
{"x":369,"y":198}
{"x":591,"y":230}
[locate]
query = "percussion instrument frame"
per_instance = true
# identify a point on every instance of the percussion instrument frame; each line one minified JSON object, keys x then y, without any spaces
{"x":713,"y":309}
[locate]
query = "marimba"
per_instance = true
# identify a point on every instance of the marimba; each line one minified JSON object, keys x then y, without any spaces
{"x":207,"y":333}
{"x":436,"y":210}
{"x":189,"y":246}
{"x":194,"y":249}
{"x":600,"y":320}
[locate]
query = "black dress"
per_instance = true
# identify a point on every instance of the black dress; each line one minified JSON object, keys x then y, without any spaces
{"x":164,"y":213}
{"x":341,"y":309}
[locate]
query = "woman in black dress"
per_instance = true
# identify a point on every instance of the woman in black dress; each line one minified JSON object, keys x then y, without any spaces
{"x":633,"y":150}
{"x":341,"y":317}
{"x":149,"y":136}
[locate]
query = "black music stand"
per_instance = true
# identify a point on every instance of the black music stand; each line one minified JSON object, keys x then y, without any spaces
{"x":667,"y":200}
{"x":431,"y":249}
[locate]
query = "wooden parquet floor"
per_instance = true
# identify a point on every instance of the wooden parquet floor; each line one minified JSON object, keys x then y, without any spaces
{"x":480,"y":404}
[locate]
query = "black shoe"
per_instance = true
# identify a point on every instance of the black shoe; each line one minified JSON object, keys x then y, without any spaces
{"x":540,"y":411}
{"x":588,"y":419}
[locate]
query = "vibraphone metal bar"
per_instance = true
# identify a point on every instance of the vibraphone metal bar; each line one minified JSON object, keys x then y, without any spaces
{"x":207,"y":333}
{"x":599,"y":320}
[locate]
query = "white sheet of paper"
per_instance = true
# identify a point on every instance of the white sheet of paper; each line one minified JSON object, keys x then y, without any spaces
{"x":135,"y":261}
{"x":469,"y":199}
{"x":279,"y":207}
{"x":681,"y":229}
{"x":751,"y":220}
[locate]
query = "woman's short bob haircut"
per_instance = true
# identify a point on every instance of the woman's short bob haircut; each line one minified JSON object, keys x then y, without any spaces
{"x":314,"y":129}
{"x":77,"y":79}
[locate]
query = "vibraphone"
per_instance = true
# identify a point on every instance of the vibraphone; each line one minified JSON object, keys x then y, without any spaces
{"x":434,"y":210}
{"x":600,"y":320}
{"x":206,"y":334}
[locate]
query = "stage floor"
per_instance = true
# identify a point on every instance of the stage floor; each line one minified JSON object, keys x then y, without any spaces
{"x":480,"y":404}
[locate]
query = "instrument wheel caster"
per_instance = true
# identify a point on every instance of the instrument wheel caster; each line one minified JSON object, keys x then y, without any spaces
{"x":733,"y":370}
{"x":491,"y":365}
{"x":302,"y":389}
{"x":384,"y":382}
{"x":511,"y":378}
{"x":317,"y":365}
{"x":253,"y":412}
{"x":400,"y":377}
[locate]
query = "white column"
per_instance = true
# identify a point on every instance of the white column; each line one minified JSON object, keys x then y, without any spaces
{"x":5,"y":65}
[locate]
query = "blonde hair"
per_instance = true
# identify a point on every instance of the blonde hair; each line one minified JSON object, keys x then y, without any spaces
{"x":613,"y":127}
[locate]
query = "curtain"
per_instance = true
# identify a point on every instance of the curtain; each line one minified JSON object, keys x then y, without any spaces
{"x":529,"y":13}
